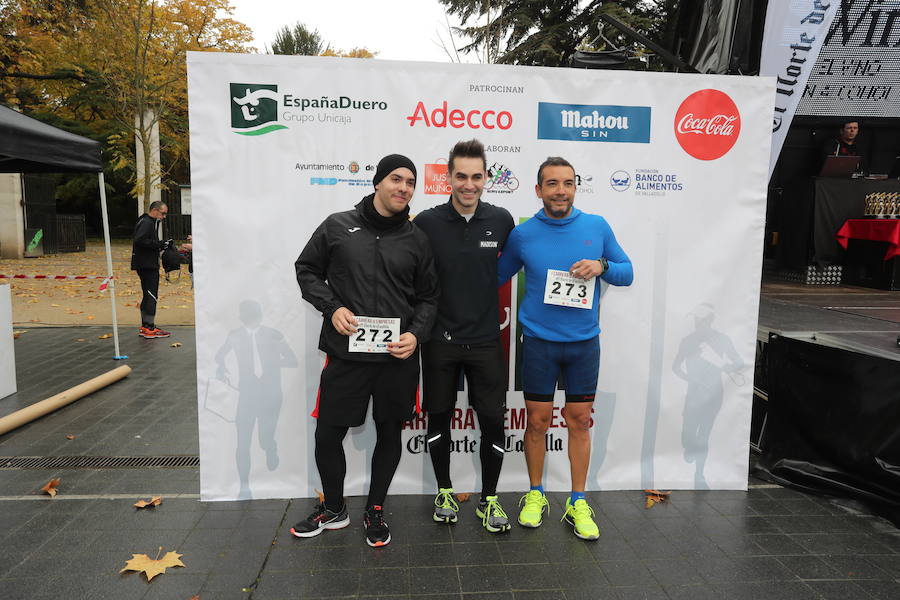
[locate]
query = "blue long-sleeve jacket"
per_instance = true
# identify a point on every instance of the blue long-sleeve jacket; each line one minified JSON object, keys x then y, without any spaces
{"x":543,"y":243}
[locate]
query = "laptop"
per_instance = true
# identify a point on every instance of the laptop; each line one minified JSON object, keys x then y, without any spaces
{"x":839,"y":166}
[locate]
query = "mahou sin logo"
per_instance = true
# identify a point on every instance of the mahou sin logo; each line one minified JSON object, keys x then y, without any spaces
{"x":707,"y":124}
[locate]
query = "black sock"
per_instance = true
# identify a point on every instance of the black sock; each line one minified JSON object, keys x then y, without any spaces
{"x":385,"y":459}
{"x":331,"y":463}
{"x":438,"y":440}
{"x":493,"y":441}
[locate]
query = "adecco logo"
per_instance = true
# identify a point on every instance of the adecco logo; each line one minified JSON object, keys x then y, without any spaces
{"x":707,"y":124}
{"x":444,"y":116}
{"x":254,"y":108}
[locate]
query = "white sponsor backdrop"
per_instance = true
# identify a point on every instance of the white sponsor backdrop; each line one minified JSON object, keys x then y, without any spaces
{"x":673,"y":405}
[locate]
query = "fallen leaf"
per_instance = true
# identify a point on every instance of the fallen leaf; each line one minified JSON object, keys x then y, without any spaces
{"x":70,"y":437}
{"x":18,"y":333}
{"x":79,"y":339}
{"x":320,"y":495}
{"x":155,"y":501}
{"x":163,"y":306}
{"x":176,"y":344}
{"x":655,"y":497}
{"x":105,"y":336}
{"x":153,"y":567}
{"x":50,"y":487}
{"x":90,"y":317}
{"x":183,"y":306}
{"x":463,"y":496}
{"x":195,"y":597}
{"x":56,"y":305}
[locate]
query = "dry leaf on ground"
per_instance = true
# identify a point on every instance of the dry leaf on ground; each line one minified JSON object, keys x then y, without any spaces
{"x":155,"y":501}
{"x":50,"y":487}
{"x":320,"y":495}
{"x":18,"y":333}
{"x":153,"y":567}
{"x":105,"y":336}
{"x":176,"y":344}
{"x":655,"y":497}
{"x":463,"y":496}
{"x":70,"y":436}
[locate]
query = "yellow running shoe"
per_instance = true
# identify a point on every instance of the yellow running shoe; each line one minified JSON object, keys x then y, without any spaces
{"x":579,"y":517}
{"x":533,"y":504}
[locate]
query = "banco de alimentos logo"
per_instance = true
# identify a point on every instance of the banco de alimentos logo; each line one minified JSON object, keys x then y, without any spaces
{"x":254,"y":108}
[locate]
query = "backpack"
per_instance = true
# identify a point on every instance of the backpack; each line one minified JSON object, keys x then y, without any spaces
{"x":171,"y":259}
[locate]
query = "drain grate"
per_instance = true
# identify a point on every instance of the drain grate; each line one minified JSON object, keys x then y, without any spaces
{"x":97,"y":462}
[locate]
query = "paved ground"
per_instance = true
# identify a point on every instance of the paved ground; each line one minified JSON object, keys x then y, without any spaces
{"x":40,"y":302}
{"x":769,"y":542}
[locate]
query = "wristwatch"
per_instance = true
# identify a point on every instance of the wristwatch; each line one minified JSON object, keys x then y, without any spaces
{"x":604,"y":264}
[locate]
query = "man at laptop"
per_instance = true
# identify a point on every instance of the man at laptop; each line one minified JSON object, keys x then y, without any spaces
{"x":845,"y":144}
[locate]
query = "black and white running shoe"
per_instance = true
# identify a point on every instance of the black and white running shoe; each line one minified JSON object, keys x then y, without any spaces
{"x":377,"y":532}
{"x":320,"y":520}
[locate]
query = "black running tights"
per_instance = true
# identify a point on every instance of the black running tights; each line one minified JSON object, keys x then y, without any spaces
{"x":332,"y":463}
{"x":491,"y":449}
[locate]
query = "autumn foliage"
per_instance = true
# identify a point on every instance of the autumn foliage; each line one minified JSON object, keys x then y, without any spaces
{"x":105,"y":62}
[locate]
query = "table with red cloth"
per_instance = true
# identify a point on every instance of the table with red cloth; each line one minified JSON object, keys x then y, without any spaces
{"x":874,"y":230}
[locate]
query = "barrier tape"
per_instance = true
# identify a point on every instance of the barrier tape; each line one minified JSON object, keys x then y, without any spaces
{"x":102,"y":288}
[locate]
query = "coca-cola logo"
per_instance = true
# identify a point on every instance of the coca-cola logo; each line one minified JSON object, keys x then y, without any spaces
{"x":707,"y":124}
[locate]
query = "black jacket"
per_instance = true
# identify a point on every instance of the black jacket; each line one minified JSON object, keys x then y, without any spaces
{"x":465,"y":254}
{"x":347,"y":262}
{"x":146,"y":245}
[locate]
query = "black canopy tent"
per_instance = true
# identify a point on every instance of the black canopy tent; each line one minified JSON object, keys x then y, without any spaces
{"x":30,"y":146}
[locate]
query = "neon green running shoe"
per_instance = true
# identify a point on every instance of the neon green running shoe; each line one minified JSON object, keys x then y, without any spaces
{"x":579,"y":517}
{"x":533,"y":504}
{"x":445,"y":506}
{"x":492,"y":516}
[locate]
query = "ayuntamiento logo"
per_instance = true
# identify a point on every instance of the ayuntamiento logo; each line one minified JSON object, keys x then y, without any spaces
{"x":254,"y":108}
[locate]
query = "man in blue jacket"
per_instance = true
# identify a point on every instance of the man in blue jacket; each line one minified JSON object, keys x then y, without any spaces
{"x":563,"y":251}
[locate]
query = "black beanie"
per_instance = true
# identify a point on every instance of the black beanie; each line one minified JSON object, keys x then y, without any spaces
{"x":389,"y":163}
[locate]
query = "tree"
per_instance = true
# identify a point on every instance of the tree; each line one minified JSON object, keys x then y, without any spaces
{"x":299,"y":40}
{"x":118,"y":65}
{"x":548,"y":32}
{"x":353,"y":53}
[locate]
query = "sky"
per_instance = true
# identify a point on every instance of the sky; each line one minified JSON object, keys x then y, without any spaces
{"x":407,"y":30}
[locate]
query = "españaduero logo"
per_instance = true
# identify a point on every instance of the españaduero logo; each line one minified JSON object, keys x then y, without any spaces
{"x":254,"y":108}
{"x":594,"y":123}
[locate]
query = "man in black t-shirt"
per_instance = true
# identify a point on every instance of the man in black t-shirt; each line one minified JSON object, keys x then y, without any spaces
{"x":466,"y":236}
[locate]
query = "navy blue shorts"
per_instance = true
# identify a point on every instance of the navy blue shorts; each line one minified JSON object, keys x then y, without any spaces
{"x":573,"y":364}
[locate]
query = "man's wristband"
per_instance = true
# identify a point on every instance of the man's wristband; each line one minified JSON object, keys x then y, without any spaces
{"x":604,"y":264}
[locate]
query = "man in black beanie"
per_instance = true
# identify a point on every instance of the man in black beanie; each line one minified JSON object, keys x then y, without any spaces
{"x":371,"y":275}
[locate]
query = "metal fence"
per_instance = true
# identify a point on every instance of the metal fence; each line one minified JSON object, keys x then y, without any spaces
{"x":70,"y":233}
{"x":176,"y":227}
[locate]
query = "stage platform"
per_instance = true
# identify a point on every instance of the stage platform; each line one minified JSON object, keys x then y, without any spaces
{"x":826,"y":390}
{"x":859,"y":319}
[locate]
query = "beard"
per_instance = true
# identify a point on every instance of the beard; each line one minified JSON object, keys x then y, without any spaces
{"x":557,"y":213}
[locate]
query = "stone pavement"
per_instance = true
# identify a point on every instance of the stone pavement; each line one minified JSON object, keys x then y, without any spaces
{"x":770,"y":542}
